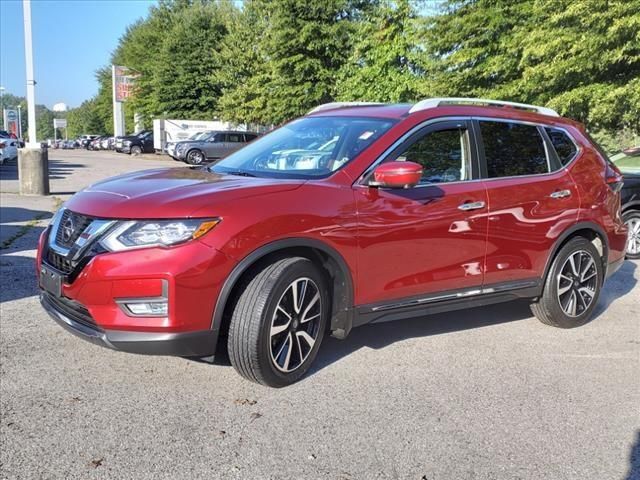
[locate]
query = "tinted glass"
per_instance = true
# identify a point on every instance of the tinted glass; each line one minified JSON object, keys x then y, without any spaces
{"x":513,"y":149}
{"x":249,"y":137}
{"x":307,"y":148}
{"x":442,"y":155}
{"x":565,"y":148}
{"x":233,"y":137}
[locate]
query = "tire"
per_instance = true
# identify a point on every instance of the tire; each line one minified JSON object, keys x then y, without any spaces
{"x":569,"y":301}
{"x":136,"y":150}
{"x":631,"y":219}
{"x":195,"y":157}
{"x":264,"y":345}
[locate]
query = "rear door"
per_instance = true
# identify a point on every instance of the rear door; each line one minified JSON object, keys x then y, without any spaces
{"x":235,"y":141}
{"x":429,"y":238}
{"x":532,"y":199}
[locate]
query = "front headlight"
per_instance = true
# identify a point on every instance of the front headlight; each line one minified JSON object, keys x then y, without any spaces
{"x":155,"y":233}
{"x":180,"y":147}
{"x":127,"y":142}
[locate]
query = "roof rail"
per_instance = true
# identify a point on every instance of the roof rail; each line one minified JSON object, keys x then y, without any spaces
{"x":334,"y":105}
{"x":436,"y":102}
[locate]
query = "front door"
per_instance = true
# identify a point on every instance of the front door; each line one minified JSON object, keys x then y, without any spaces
{"x":429,"y":238}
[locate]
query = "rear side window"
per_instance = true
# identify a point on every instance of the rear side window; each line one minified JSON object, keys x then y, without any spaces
{"x":249,"y":137}
{"x":234,"y":137}
{"x":564,"y":146}
{"x":513,"y":149}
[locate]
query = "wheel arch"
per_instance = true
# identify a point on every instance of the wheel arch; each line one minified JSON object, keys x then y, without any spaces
{"x":590,"y":230}
{"x":323,"y":255}
{"x":633,"y":205}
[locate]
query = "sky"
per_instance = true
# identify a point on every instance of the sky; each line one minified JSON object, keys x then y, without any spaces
{"x":71,"y":40}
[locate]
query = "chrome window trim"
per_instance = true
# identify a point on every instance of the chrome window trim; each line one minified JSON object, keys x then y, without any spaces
{"x":360,"y":182}
{"x":573,"y":140}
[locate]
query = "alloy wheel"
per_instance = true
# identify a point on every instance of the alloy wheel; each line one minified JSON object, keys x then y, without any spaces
{"x":295,"y":325}
{"x":633,"y":240}
{"x":577,"y":283}
{"x":195,"y":157}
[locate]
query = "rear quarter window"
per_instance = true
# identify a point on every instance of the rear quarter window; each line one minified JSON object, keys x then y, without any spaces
{"x":563,"y":145}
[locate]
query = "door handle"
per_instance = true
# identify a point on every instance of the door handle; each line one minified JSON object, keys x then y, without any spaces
{"x":561,"y":194}
{"x":471,"y":206}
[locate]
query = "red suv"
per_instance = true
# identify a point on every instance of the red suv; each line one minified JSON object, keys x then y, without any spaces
{"x":356,"y":213}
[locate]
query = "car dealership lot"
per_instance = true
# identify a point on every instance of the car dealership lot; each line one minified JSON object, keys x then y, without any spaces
{"x":489,"y":393}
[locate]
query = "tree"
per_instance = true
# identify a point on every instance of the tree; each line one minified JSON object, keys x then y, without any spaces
{"x":185,"y":78}
{"x":85,"y":119}
{"x":581,"y":58}
{"x":382,"y":66}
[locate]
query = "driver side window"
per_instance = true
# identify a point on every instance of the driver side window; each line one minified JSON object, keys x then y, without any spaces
{"x":443,"y":154}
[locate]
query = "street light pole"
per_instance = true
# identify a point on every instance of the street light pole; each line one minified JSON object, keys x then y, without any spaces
{"x":33,"y":161}
{"x":2,"y":107}
{"x":31,"y":83}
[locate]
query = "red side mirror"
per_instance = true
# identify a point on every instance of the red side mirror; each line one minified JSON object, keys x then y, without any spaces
{"x":397,"y":175}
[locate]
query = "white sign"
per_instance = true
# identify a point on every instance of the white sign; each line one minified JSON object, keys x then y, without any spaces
{"x":59,"y":123}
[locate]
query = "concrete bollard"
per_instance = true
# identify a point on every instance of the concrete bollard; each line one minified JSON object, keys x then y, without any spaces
{"x":33,"y":171}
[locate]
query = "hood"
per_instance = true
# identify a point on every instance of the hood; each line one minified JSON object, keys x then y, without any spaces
{"x":170,"y":193}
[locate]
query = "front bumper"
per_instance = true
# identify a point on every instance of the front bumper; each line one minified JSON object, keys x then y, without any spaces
{"x":91,"y":300}
{"x":189,"y":344}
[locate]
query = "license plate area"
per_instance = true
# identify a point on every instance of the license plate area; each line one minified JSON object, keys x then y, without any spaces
{"x":51,"y":281}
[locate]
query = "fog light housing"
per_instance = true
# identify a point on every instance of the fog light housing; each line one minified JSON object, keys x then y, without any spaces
{"x":147,"y":309}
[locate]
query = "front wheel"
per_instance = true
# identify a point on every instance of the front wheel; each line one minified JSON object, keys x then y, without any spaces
{"x":572,"y":286}
{"x":195,"y":157}
{"x":631,"y":219}
{"x":136,"y":150}
{"x":278,"y":322}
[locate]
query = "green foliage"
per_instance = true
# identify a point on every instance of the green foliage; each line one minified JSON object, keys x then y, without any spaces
{"x":383,"y":64}
{"x":579,"y":57}
{"x":268,"y":61}
{"x":85,"y":120}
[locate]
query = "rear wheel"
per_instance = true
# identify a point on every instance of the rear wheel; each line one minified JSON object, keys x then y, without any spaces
{"x":195,"y":157}
{"x":572,"y":286}
{"x":631,"y":219}
{"x":278,"y":322}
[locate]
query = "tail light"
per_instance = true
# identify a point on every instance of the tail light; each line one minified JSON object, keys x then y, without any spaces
{"x":2,"y":144}
{"x":613,"y":177}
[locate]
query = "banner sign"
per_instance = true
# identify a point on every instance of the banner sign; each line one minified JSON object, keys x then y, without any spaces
{"x":124,"y":81}
{"x":11,"y":121}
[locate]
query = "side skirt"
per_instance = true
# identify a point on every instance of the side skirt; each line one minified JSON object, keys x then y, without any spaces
{"x":446,"y":301}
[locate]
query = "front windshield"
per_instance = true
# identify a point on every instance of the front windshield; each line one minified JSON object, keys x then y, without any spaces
{"x":199,"y":136}
{"x":311,"y":147}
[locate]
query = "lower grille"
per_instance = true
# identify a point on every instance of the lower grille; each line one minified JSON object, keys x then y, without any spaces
{"x":71,"y":309}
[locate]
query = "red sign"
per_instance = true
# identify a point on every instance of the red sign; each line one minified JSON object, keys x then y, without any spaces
{"x":124,"y":83}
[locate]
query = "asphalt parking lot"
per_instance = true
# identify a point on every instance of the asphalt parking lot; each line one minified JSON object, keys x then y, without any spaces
{"x":489,"y":393}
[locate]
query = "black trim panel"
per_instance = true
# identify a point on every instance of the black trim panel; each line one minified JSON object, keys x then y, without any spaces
{"x":341,"y":321}
{"x":190,"y":344}
{"x":446,"y":301}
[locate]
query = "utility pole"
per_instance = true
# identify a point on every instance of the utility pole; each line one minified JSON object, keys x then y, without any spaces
{"x":33,"y":161}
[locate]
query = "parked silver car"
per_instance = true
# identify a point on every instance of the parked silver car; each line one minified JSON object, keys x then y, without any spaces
{"x":210,"y":145}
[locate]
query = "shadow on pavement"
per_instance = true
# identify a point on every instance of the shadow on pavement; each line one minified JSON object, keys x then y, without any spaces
{"x":58,"y":169}
{"x":618,"y":285}
{"x":634,"y":460}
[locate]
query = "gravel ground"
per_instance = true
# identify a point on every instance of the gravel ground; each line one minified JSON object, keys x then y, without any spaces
{"x":489,"y":393}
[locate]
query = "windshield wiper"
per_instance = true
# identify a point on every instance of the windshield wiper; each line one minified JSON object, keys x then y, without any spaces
{"x":240,"y":173}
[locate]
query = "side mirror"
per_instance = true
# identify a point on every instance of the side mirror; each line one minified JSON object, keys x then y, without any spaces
{"x":396,"y":175}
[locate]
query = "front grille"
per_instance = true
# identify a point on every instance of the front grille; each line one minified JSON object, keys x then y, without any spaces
{"x":71,"y":309}
{"x":59,"y":262}
{"x":70,"y":228}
